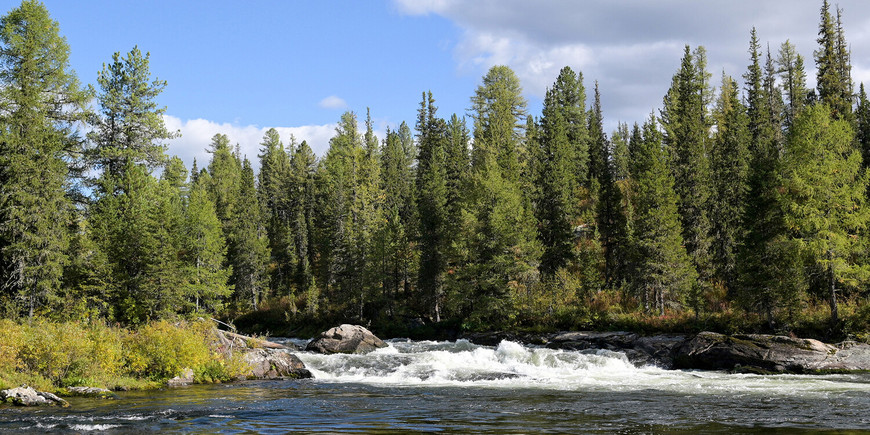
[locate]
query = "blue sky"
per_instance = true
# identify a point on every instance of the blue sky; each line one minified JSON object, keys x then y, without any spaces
{"x":240,"y":67}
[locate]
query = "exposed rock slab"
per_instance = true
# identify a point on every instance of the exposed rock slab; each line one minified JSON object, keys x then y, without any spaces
{"x":185,"y":378}
{"x":27,"y":396}
{"x":274,"y":364}
{"x":346,"y":339}
{"x":770,"y":353}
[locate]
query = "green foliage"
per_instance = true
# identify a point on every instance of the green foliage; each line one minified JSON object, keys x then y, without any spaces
{"x":42,"y":101}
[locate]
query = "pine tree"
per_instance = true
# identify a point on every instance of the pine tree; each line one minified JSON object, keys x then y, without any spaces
{"x":729,"y":163}
{"x":130,"y":125}
{"x":42,"y":101}
{"x":665,"y":271}
{"x":823,"y":197}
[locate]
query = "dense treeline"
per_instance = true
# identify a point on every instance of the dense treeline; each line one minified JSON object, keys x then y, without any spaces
{"x":744,"y":201}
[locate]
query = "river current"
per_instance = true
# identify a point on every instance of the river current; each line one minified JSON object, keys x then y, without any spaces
{"x":459,"y":387}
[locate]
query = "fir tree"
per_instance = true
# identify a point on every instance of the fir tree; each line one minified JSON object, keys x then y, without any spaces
{"x":272,"y":191}
{"x":833,"y":67}
{"x":251,"y":249}
{"x":205,"y":252}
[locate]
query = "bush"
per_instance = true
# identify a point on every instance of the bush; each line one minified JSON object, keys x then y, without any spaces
{"x":161,"y":350}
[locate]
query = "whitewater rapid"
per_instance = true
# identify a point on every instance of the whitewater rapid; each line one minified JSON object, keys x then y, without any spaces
{"x":514,"y":366}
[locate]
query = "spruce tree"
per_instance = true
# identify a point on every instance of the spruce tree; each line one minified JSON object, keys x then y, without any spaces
{"x":432,"y":204}
{"x":250,"y":242}
{"x":42,"y":101}
{"x":729,"y":163}
{"x":205,"y":252}
{"x":301,"y":193}
{"x":399,"y":209}
{"x":833,"y":68}
{"x":766,"y":264}
{"x":665,"y":273}
{"x":685,"y":121}
{"x":273,"y":182}
{"x":862,"y":127}
{"x":555,"y":193}
{"x":790,"y":65}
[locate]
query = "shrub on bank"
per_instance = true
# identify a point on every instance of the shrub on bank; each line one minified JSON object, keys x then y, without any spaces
{"x":50,"y":355}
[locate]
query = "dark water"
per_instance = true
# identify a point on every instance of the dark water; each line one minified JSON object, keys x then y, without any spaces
{"x":438,"y":387}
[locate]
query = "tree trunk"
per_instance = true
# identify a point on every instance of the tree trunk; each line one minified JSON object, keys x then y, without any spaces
{"x":832,"y":284}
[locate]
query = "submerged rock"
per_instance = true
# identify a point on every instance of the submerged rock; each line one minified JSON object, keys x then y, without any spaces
{"x":27,"y":396}
{"x":94,"y":392}
{"x":275,"y":363}
{"x":346,"y":339}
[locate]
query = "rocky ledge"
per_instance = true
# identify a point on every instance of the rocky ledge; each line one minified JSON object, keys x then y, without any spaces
{"x":756,"y":353}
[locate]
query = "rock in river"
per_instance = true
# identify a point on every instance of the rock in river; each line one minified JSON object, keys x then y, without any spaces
{"x":275,"y":363}
{"x":346,"y":339}
{"x":27,"y":396}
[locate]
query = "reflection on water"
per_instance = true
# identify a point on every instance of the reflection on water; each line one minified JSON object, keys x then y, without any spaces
{"x":460,"y":387}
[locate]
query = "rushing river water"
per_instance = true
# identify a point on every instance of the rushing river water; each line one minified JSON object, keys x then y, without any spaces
{"x":463,"y":388}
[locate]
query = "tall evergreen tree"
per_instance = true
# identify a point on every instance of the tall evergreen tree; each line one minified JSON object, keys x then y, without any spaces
{"x":767,"y":264}
{"x":611,"y":224}
{"x":833,"y":67}
{"x":685,"y":120}
{"x":250,"y":242}
{"x":665,"y":271}
{"x":432,"y":204}
{"x":506,"y":249}
{"x":130,"y":125}
{"x":205,"y":252}
{"x":273,"y":182}
{"x":790,"y":65}
{"x":862,"y":127}
{"x":729,"y":163}
{"x":555,"y":192}
{"x":301,"y":192}
{"x":42,"y":101}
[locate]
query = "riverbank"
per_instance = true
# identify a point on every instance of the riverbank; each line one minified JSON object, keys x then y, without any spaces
{"x":56,"y":357}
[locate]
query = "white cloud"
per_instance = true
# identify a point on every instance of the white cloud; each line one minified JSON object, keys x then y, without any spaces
{"x":632,"y":47}
{"x":196,"y":136}
{"x":332,"y":102}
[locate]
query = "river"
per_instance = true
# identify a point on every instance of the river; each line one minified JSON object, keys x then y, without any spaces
{"x":458,"y":387}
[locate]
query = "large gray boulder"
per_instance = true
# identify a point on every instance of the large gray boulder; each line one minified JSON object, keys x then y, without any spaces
{"x":346,"y":339}
{"x":771,"y":353}
{"x":27,"y":396}
{"x":274,"y":364}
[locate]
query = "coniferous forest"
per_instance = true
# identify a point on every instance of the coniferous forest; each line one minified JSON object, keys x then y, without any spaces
{"x":740,"y":204}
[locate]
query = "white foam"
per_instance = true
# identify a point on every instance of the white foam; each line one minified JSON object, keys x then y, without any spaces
{"x":93,"y":427}
{"x":512,"y":365}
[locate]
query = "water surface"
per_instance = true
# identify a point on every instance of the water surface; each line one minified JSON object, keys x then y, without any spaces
{"x":460,"y":387}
